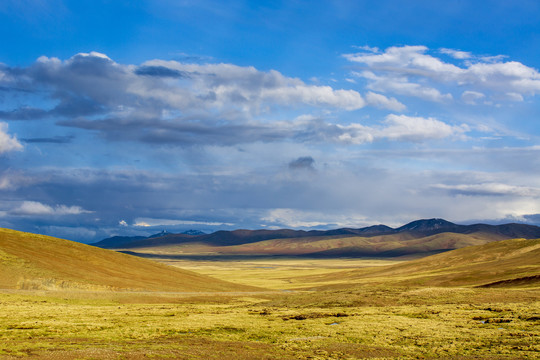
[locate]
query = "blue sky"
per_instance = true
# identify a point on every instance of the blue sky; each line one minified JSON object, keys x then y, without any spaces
{"x":125,"y":118}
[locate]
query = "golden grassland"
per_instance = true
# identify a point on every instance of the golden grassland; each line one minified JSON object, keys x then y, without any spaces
{"x":380,"y":322}
{"x":309,"y":309}
{"x":278,"y":273}
{"x":30,"y":261}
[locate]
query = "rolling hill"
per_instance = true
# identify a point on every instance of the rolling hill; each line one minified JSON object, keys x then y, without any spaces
{"x":418,"y":238}
{"x":505,"y":263}
{"x":30,"y":261}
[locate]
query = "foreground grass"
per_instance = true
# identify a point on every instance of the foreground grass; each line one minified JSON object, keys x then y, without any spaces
{"x":366,"y":322}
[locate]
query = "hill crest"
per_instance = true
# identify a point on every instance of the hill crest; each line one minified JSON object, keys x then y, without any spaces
{"x":31,"y":261}
{"x":413,"y":230}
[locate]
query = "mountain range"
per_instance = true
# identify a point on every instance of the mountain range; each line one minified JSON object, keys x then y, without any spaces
{"x":426,"y":236}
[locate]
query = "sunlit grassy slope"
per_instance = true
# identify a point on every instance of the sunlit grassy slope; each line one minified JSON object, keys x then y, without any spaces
{"x":503,"y":263}
{"x":30,"y":261}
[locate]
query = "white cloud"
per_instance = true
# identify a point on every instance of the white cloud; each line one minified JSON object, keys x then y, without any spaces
{"x":412,"y":69}
{"x":8,"y":143}
{"x":93,"y":54}
{"x":471,"y":97}
{"x":37,"y":208}
{"x":400,"y":128}
{"x":456,"y":54}
{"x":384,"y":102}
{"x":512,"y":96}
{"x":402,"y":86}
{"x":296,"y":218}
{"x":224,"y":84}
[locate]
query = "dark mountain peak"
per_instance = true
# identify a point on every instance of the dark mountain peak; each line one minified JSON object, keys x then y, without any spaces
{"x":117,"y":241}
{"x":412,"y":230}
{"x":429,"y":225}
{"x":162,"y":233}
{"x":375,"y":229}
{"x":193,"y":232}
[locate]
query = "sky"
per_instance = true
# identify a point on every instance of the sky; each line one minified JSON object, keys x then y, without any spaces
{"x":132,"y":117}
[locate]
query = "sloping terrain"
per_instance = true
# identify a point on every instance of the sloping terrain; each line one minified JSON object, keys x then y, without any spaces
{"x":504,"y":263}
{"x":384,"y":246}
{"x":30,"y":261}
{"x":380,"y":246}
{"x":420,"y":238}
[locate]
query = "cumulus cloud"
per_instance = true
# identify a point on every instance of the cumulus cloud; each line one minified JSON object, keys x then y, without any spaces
{"x":8,"y":143}
{"x":400,"y":128}
{"x":173,"y":102}
{"x":106,"y":85}
{"x":384,"y":102}
{"x":38,"y":208}
{"x":402,"y":86}
{"x":186,"y":104}
{"x":413,"y":69}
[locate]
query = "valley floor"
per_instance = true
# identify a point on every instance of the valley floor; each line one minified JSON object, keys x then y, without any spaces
{"x":376,"y":320}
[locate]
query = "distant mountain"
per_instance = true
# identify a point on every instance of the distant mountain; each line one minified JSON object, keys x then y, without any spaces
{"x":193,"y":232}
{"x":116,"y":242}
{"x":431,"y":227}
{"x":424,"y":236}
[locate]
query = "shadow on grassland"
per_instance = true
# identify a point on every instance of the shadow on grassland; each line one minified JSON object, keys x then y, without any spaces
{"x":387,"y":255}
{"x":216,"y":257}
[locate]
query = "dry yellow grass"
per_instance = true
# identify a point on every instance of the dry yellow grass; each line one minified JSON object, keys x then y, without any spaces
{"x":379,"y":322}
{"x":276,"y":273}
{"x":30,"y":261}
{"x":516,"y":259}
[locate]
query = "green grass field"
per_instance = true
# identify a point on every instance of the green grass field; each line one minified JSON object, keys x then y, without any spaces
{"x":275,"y":308}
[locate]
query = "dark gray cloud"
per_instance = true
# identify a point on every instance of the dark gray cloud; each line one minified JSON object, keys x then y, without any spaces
{"x":69,"y":106}
{"x":182,"y":133}
{"x":303,"y":162}
{"x":51,"y":140}
{"x":533,"y":218}
{"x":24,"y":113}
{"x":160,"y":71}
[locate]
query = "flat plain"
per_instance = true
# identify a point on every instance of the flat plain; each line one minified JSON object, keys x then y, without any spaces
{"x":479,"y":302}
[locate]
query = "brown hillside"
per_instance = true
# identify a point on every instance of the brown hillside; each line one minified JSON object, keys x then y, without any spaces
{"x":502,"y":263}
{"x":30,"y":261}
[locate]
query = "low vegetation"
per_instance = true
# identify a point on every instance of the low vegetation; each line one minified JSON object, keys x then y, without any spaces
{"x":30,"y":261}
{"x":369,"y":323}
{"x":308,"y":309}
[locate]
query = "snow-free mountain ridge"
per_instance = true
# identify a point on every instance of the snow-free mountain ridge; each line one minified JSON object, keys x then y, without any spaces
{"x":414,"y":229}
